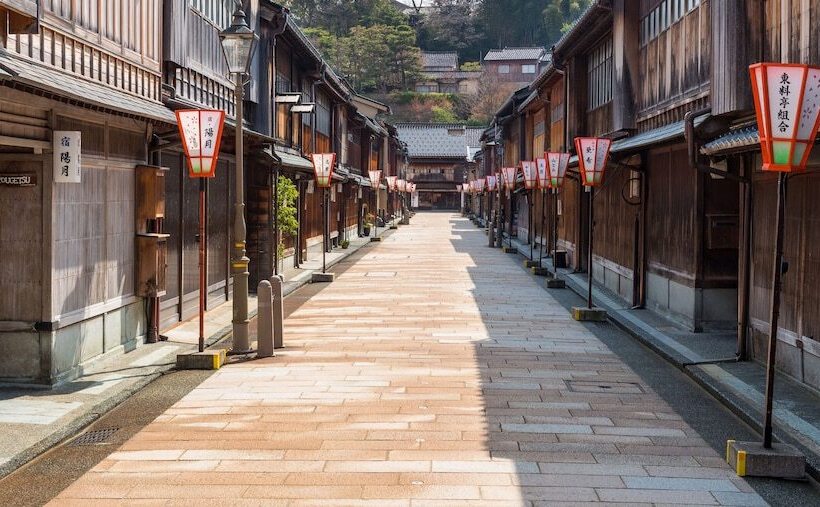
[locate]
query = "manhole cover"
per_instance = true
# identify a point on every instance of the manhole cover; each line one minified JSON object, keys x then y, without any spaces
{"x":95,"y":437}
{"x":605,"y":387}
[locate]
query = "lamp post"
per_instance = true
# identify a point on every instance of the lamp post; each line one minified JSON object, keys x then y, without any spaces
{"x":401,"y":185}
{"x":530,"y":170}
{"x":593,"y":154}
{"x":238,"y":44}
{"x":375,"y":181}
{"x":391,"y":188}
{"x":543,"y":185}
{"x":492,"y":182}
{"x":557,"y":166}
{"x":323,"y":165}
{"x":201,"y":134}
{"x":509,"y":174}
{"x":787,"y":103}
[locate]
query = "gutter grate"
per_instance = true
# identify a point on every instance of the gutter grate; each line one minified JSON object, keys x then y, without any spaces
{"x":94,"y":437}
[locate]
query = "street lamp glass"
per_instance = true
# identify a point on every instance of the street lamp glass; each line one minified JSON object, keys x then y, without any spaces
{"x":238,"y":44}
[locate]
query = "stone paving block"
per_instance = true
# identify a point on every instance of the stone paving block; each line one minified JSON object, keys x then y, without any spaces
{"x":406,"y":385}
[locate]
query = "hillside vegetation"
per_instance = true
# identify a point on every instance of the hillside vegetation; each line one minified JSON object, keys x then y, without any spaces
{"x":376,"y":44}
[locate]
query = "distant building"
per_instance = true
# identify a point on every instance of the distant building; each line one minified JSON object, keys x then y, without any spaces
{"x":515,"y":65}
{"x":441,"y":74}
{"x":440,"y":156}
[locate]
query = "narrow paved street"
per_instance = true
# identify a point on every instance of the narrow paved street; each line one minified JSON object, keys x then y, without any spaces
{"x":433,"y":371}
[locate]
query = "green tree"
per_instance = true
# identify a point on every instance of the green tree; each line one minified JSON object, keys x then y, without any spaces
{"x":451,"y":27}
{"x":286,"y":211}
{"x":373,"y":58}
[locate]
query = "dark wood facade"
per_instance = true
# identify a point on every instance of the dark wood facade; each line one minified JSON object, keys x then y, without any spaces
{"x":670,"y":235}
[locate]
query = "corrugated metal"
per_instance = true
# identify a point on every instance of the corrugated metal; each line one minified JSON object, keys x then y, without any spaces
{"x":655,"y":136}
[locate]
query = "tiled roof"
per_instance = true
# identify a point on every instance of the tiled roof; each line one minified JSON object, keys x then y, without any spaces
{"x":84,"y":90}
{"x":746,"y":137}
{"x":515,"y":54}
{"x":439,"y":60}
{"x":436,"y":140}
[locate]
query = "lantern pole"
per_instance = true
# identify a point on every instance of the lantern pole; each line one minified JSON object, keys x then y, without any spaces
{"x":203,"y":289}
{"x":591,"y":191}
{"x":543,"y":226}
{"x":555,"y":232}
{"x":324,"y":228}
{"x":529,"y":216}
{"x":777,"y":273}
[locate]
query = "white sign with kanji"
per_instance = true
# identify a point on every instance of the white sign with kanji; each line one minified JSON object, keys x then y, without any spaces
{"x":67,"y":148}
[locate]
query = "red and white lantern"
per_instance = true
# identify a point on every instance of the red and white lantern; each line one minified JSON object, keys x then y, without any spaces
{"x":543,"y":173}
{"x":401,"y":185}
{"x":557,"y":165}
{"x":593,"y":154}
{"x":787,"y":103}
{"x":530,"y":170}
{"x":481,"y":182}
{"x":510,"y":174}
{"x":375,"y":178}
{"x":323,"y":164}
{"x":391,"y":183}
{"x":491,"y":182}
{"x":201,"y":133}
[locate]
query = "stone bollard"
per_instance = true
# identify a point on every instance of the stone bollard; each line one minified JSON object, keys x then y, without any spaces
{"x":277,"y":285}
{"x":264,"y":320}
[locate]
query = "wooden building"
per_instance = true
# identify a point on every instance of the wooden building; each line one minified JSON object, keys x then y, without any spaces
{"x":439,"y":159}
{"x":684,"y":221}
{"x":93,"y":268}
{"x":69,"y":290}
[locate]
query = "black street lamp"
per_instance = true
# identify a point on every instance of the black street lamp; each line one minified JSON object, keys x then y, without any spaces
{"x":238,"y":43}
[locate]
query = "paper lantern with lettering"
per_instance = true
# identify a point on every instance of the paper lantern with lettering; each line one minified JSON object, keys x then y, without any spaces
{"x":787,"y":103}
{"x":201,"y":133}
{"x":391,"y":183}
{"x":543,"y":173}
{"x":375,"y":178}
{"x":530,"y":170}
{"x":557,"y":165}
{"x":593,"y":154}
{"x":491,"y":182}
{"x":510,"y":173}
{"x":323,"y":164}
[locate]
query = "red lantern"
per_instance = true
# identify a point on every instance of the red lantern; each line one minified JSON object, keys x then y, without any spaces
{"x":557,"y":164}
{"x":201,"y":133}
{"x":787,"y":103}
{"x":375,"y":178}
{"x":491,"y":182}
{"x":509,"y":176}
{"x":391,"y":183}
{"x":543,"y":173}
{"x":323,"y":164}
{"x":593,"y":154}
{"x":530,"y":170}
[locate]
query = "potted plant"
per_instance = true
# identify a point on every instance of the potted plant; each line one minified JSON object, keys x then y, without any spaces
{"x":345,"y":244}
